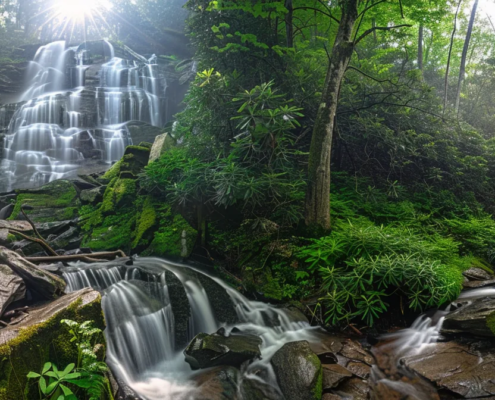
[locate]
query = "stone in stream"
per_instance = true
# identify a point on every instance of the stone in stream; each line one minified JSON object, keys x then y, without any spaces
{"x":39,"y":337}
{"x":460,"y":368}
{"x":477,"y":274}
{"x":298,"y":370}
{"x":333,"y":375}
{"x":12,"y":288}
{"x":478,"y":284}
{"x":41,"y":284}
{"x":207,"y":351}
{"x":470,"y":318}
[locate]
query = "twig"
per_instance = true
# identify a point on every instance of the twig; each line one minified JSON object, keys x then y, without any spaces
{"x":379,"y":28}
{"x":41,"y":242}
{"x":94,"y":257}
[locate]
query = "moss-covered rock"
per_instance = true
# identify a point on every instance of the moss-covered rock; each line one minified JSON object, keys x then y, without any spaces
{"x":490,"y":322}
{"x":298,"y":371}
{"x":57,"y":201}
{"x":207,"y":351}
{"x":40,"y":338}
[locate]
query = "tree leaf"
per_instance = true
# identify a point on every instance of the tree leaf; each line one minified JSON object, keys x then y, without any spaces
{"x":46,"y":367}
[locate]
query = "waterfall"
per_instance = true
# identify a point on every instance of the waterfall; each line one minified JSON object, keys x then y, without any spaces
{"x":141,"y":324}
{"x":61,"y":105}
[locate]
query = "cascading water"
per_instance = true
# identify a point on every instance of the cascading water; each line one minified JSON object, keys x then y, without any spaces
{"x":143,"y":349}
{"x":67,"y":118}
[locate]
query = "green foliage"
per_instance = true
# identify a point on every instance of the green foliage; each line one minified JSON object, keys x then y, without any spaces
{"x":88,"y":374}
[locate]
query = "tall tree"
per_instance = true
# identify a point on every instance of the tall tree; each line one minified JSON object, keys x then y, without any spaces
{"x":462,"y":70}
{"x":446,"y":85}
{"x":420,"y":47}
{"x":318,"y":191}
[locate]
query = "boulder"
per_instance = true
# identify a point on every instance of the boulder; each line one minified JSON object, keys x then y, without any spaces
{"x":478,"y":284}
{"x":6,"y":212}
{"x":207,"y":351}
{"x":40,"y":337}
{"x":477,"y":274}
{"x":22,"y":226}
{"x":298,"y":371}
{"x":12,"y":288}
{"x":219,"y":383}
{"x":93,"y":196}
{"x":41,"y":284}
{"x":143,"y":132}
{"x":470,"y":318}
{"x":56,"y":201}
{"x":161,"y":145}
{"x":458,"y":367}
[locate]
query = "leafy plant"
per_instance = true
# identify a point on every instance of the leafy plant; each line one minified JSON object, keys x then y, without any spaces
{"x":88,"y":374}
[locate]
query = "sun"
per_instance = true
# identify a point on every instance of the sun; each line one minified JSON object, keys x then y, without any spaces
{"x":75,"y":9}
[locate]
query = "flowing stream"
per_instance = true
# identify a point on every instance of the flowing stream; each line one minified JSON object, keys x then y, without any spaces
{"x":76,"y":109}
{"x":148,"y":329}
{"x":142,"y":328}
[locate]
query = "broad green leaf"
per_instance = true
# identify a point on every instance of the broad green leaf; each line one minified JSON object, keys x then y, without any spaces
{"x":46,"y":367}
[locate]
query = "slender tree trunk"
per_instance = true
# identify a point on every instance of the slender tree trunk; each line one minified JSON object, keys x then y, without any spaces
{"x":289,"y":27}
{"x":462,"y":71}
{"x":420,"y":47}
{"x":446,"y":86}
{"x":318,"y":191}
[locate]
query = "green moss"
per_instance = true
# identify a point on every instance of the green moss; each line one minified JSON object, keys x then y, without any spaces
{"x":55,"y":201}
{"x":167,"y":239}
{"x":38,"y":344}
{"x":490,"y":322}
{"x":124,"y":192}
{"x":147,"y":219}
{"x":114,"y":171}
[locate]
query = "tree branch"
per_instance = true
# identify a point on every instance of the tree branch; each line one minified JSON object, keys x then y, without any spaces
{"x":380,"y":28}
{"x":370,"y":7}
{"x":316,"y":9}
{"x":370,"y":77}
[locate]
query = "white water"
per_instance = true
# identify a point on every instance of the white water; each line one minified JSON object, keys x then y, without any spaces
{"x":45,"y":142}
{"x":140,"y":329}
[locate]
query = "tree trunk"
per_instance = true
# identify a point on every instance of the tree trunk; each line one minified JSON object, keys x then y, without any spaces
{"x":318,"y":191}
{"x":420,"y":47}
{"x":462,"y":71}
{"x":289,"y":27}
{"x":445,"y":94}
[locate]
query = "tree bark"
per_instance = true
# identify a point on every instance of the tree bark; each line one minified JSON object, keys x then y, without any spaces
{"x":446,"y":85}
{"x":420,"y":47}
{"x":289,"y":27}
{"x":462,"y":71}
{"x":318,"y":191}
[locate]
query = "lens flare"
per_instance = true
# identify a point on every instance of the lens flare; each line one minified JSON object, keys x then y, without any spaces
{"x":75,"y":9}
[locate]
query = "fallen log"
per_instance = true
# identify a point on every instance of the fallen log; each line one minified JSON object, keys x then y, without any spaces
{"x":92,"y":258}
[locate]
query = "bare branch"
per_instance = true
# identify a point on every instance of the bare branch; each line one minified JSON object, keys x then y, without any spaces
{"x":380,"y":28}
{"x":370,"y":7}
{"x":316,"y":9}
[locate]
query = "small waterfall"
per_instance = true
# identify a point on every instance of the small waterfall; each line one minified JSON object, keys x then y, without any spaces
{"x":139,"y":312}
{"x":60,"y":105}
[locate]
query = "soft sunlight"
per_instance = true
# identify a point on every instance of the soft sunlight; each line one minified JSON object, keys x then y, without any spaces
{"x":75,"y":9}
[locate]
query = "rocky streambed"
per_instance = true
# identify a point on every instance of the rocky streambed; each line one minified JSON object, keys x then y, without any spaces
{"x":186,"y":333}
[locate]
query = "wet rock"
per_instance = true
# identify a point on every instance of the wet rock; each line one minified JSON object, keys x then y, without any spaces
{"x":7,"y":199}
{"x":53,"y":268}
{"x":356,"y":389}
{"x":207,"y":351}
{"x":69,"y":240}
{"x":143,"y":132}
{"x":180,"y":309}
{"x":22,"y":226}
{"x":220,"y":383}
{"x":470,"y":318}
{"x":39,"y":337}
{"x":41,"y":284}
{"x":53,"y":228}
{"x":6,"y":212}
{"x":477,"y":274}
{"x":222,"y":304}
{"x":12,"y":288}
{"x":478,"y":284}
{"x":359,"y":369}
{"x":293,"y":360}
{"x":354,"y":351}
{"x":93,"y":196}
{"x":333,"y":374}
{"x":161,"y":145}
